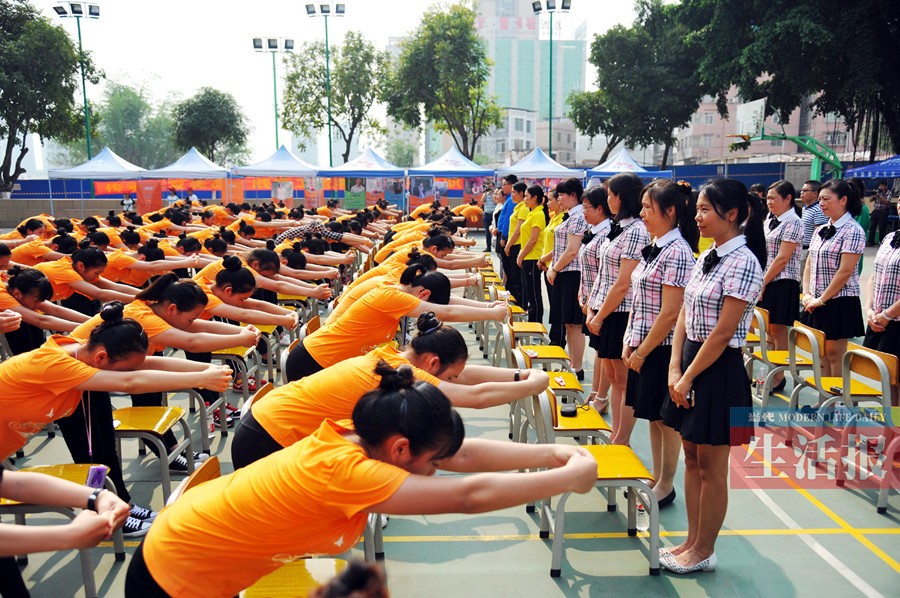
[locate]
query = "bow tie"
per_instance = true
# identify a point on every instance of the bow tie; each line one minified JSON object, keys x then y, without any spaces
{"x":773,"y":223}
{"x":827,"y":232}
{"x":651,"y":251}
{"x":895,"y":242}
{"x":565,"y":216}
{"x":587,"y":238}
{"x":709,"y":262}
{"x":615,"y":229}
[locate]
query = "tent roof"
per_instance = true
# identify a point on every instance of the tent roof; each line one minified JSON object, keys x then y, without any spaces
{"x":367,"y":164}
{"x":105,"y":165}
{"x":281,"y":163}
{"x":621,"y":161}
{"x":537,"y":164}
{"x":887,"y":169}
{"x":451,"y":164}
{"x":192,"y":165}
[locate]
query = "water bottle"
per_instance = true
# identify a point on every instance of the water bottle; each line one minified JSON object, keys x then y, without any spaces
{"x":643,"y":519}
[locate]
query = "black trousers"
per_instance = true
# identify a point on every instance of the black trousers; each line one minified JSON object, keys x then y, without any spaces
{"x":531,"y":290}
{"x":514,"y":277}
{"x":102,"y":447}
{"x":878,"y":220}
{"x":300,"y":363}
{"x":83,"y":305}
{"x":210,"y":396}
{"x":139,"y":582}
{"x":11,"y":583}
{"x":251,"y":442}
{"x":26,"y":338}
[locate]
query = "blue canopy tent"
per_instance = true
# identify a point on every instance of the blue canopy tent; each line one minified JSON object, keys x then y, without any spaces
{"x":538,"y":165}
{"x":888,"y":169}
{"x":621,"y":161}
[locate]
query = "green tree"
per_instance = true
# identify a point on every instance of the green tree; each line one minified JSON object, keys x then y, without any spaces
{"x":841,"y":54}
{"x":39,"y":76}
{"x":213,"y":122}
{"x":442,"y":77}
{"x":400,"y":152}
{"x":647,"y":84}
{"x":358,"y":77}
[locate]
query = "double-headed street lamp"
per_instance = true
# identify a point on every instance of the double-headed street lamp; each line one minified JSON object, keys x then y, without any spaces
{"x":538,"y":7}
{"x":274,"y":45}
{"x":78,"y":11}
{"x":324,"y":9}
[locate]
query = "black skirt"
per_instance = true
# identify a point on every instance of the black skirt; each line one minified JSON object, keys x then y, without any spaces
{"x":887,"y":341}
{"x":646,"y":392}
{"x":608,"y":343}
{"x":722,"y":406}
{"x":840,"y":318}
{"x":565,"y":308}
{"x":782,"y":299}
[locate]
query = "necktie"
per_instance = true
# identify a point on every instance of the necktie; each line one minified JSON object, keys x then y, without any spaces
{"x":895,"y":242}
{"x":615,"y":229}
{"x":773,"y":223}
{"x":709,"y":262}
{"x":650,"y":252}
{"x":827,"y":232}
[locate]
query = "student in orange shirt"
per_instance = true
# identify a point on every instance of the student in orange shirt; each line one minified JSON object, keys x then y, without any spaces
{"x":325,"y":486}
{"x":438,"y":356}
{"x":49,"y":383}
{"x":373,"y":320}
{"x":28,"y":293}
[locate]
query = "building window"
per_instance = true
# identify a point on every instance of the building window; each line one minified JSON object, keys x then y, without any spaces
{"x":708,"y":118}
{"x":706,"y":141}
{"x":519,"y":124}
{"x":559,"y":137}
{"x":501,"y":146}
{"x":568,"y":138}
{"x":836,"y":139}
{"x":695,"y":120}
{"x":528,"y":145}
{"x":518,"y":144}
{"x":778,"y":143}
{"x":528,"y":126}
{"x":833,"y":117}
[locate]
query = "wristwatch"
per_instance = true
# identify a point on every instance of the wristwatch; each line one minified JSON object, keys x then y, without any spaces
{"x":92,"y":499}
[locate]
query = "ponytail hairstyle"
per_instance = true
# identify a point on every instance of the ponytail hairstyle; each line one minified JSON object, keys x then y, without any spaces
{"x":439,"y":242}
{"x":186,"y":294}
{"x":245,"y":229}
{"x":99,"y":239}
{"x":730,"y":194}
{"x":236,"y":276}
{"x":129,"y":237}
{"x":233,"y":208}
{"x":418,"y":411}
{"x":843,"y":188}
{"x":227,"y":235}
{"x":178,"y":218}
{"x":216,"y":246}
{"x":121,"y":338}
{"x":627,"y":187}
{"x":860,"y":186}
{"x":266,"y":260}
{"x":189,"y":244}
{"x":134,"y":218}
{"x":537,"y":192}
{"x":295,"y":259}
{"x":270,"y":244}
{"x":30,"y":283}
{"x":419,"y":276}
{"x":758,"y":189}
{"x":31,"y":225}
{"x":151,"y":251}
{"x":666,"y":193}
{"x":444,"y":341}
{"x":422,"y":259}
{"x":89,"y":257}
{"x":65,"y":243}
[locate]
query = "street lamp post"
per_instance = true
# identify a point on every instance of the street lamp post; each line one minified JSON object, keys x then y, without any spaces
{"x":324,"y":10}
{"x":274,"y":45}
{"x":537,"y":7}
{"x":80,"y":10}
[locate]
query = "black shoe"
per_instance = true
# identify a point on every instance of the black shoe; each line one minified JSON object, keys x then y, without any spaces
{"x":580,"y":375}
{"x":780,"y":386}
{"x":668,"y":500}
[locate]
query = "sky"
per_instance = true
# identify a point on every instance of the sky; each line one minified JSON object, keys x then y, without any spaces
{"x":174,"y":47}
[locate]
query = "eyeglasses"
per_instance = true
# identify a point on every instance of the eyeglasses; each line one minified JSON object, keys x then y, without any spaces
{"x":806,"y":191}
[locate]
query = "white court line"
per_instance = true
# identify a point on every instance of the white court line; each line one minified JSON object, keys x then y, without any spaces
{"x":843,"y":570}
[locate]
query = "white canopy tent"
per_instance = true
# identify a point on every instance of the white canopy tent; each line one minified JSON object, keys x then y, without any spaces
{"x":282,"y":163}
{"x":451,"y":165}
{"x":538,"y":165}
{"x":106,"y":165}
{"x":621,"y":161}
{"x":192,"y":165}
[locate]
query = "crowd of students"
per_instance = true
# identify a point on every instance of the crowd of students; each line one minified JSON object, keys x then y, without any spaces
{"x":361,"y":425}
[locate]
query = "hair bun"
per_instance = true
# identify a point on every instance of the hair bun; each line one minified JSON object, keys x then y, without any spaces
{"x":112,"y":311}
{"x":14,"y":271}
{"x":270,"y":244}
{"x":152,"y":243}
{"x":232,"y":263}
{"x":392,"y":379}
{"x":427,"y":323}
{"x":84,"y":243}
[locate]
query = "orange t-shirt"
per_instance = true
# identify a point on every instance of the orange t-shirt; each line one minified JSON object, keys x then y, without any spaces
{"x":168,"y":249}
{"x":113,"y":234}
{"x":221,"y":216}
{"x":205,"y":234}
{"x":354,"y":294}
{"x":212,"y":300}
{"x":30,"y":254}
{"x":7,"y":301}
{"x":396,"y":243}
{"x":38,"y":388}
{"x":155,"y":227}
{"x":118,"y":264}
{"x":61,"y":274}
{"x":208,"y":273}
{"x":310,"y":498}
{"x":294,"y":411}
{"x":370,"y":321}
{"x":137,"y":310}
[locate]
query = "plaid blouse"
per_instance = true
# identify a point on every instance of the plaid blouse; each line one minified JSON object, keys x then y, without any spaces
{"x":825,"y":257}
{"x":628,"y":246}
{"x":737,"y":275}
{"x":589,"y":255}
{"x":315,"y":228}
{"x":887,"y":275}
{"x":672,"y":267}
{"x":789,"y":229}
{"x":575,"y":225}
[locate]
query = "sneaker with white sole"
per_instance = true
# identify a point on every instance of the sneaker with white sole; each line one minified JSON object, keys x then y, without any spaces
{"x":232,"y":411}
{"x":142,"y":513}
{"x":217,"y":421}
{"x":135,"y":528}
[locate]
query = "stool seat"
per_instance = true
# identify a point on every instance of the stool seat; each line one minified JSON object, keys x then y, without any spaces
{"x":242,"y":352}
{"x":157,"y":420}
{"x":544,"y":352}
{"x":587,"y":418}
{"x":615,"y":461}
{"x":282,"y":297}
{"x":565,"y":381}
{"x":528,"y":327}
{"x":836,"y":382}
{"x":264,"y":328}
{"x":781,"y":358}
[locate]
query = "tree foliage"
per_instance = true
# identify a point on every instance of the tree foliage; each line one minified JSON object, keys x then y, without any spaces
{"x":647,"y":84}
{"x":400,"y":152}
{"x":358,"y":78}
{"x":442,"y":77}
{"x":39,"y":77}
{"x":213,"y":122}
{"x":843,"y":54}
